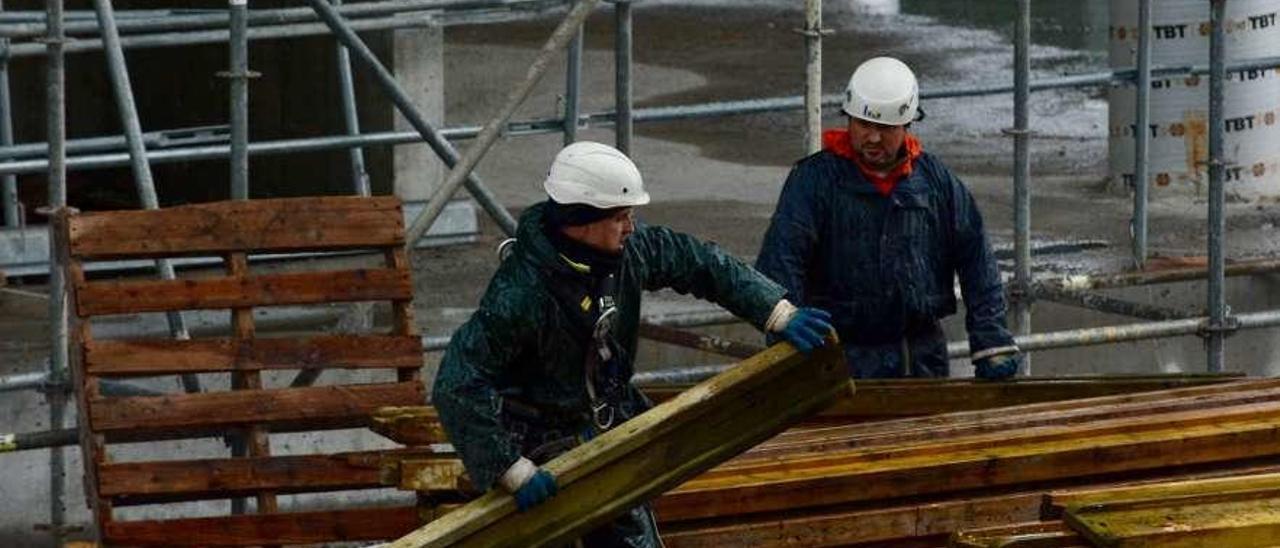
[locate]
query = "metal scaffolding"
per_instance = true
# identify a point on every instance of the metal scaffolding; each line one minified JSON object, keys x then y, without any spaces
{"x":112,"y":32}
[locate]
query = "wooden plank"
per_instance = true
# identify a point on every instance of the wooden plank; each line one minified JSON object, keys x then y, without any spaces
{"x":402,"y":312}
{"x":254,"y":439}
{"x":253,"y":530}
{"x":433,"y":475}
{"x":184,"y":480}
{"x":882,"y":399}
{"x":146,"y":357}
{"x":120,"y":297}
{"x":1132,"y":426}
{"x":838,"y":438}
{"x":317,"y":407}
{"x":275,"y":226}
{"x":836,"y":527}
{"x":1056,"y":502}
{"x":652,"y":452}
{"x":965,"y":419}
{"x":412,"y":425}
{"x":850,"y":477}
{"x":92,"y":445}
{"x":1034,"y":534}
{"x":1238,"y":520}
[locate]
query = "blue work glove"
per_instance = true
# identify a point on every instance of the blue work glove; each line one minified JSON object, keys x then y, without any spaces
{"x":997,"y":368}
{"x":808,"y":329}
{"x":540,"y":487}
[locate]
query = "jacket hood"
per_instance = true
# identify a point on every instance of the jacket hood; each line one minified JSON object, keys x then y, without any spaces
{"x":532,"y":244}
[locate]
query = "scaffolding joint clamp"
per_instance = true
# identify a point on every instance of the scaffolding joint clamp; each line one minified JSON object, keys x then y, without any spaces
{"x":248,"y":74}
{"x":1230,"y":325}
{"x":1015,"y":132}
{"x":50,"y":41}
{"x":812,"y":33}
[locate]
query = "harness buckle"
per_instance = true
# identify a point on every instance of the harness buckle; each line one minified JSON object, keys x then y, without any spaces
{"x":600,"y":410}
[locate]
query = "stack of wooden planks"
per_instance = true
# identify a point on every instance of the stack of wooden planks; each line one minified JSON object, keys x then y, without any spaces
{"x":917,"y":481}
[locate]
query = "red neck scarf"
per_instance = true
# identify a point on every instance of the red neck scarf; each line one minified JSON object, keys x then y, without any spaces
{"x":839,"y":143}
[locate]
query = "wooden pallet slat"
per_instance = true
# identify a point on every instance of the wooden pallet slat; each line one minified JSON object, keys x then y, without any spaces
{"x":202,"y":479}
{"x":264,"y":529}
{"x":145,"y":357}
{"x":273,"y":225}
{"x":97,"y":298}
{"x":318,"y":407}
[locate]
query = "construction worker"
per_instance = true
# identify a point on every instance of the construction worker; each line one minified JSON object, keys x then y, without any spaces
{"x":545,"y":362}
{"x":874,"y":230}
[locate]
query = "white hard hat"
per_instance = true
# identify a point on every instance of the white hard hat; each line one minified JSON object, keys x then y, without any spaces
{"x":597,"y":175}
{"x":883,"y":90}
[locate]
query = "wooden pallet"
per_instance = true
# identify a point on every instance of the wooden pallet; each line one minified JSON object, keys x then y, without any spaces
{"x":250,"y":412}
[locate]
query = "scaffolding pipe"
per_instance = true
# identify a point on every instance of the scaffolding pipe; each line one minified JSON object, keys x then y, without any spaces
{"x":434,"y":139}
{"x":351,"y":117}
{"x":1071,"y":338}
{"x":1022,"y":298}
{"x":623,"y":97}
{"x":239,"y":75}
{"x":573,"y":88}
{"x":1141,"y":138}
{"x":154,"y":139}
{"x":122,"y":89}
{"x":24,"y":381}
{"x":164,"y":40}
{"x":56,"y":132}
{"x":1109,"y":305}
{"x":699,"y":341}
{"x":26,"y":441}
{"x":813,"y":76}
{"x":1126,"y":333}
{"x":9,"y":183}
{"x":531,"y":127}
{"x":560,"y":38}
{"x":1130,"y":279}
{"x":1217,"y":218}
{"x":189,"y":22}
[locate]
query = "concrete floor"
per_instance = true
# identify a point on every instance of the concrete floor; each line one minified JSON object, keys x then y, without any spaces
{"x":718,"y":179}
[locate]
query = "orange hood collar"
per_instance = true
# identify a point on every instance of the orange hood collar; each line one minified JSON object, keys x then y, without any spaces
{"x":837,"y":141}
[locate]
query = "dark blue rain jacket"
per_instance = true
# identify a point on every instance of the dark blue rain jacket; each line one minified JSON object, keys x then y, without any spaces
{"x":884,"y":267}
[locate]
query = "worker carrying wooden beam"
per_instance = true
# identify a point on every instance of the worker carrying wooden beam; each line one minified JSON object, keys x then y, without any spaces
{"x":874,"y":230}
{"x":545,"y":362}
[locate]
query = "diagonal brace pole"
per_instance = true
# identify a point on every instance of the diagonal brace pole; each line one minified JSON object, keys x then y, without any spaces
{"x":461,"y":170}
{"x":343,"y":32}
{"x":123,"y":91}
